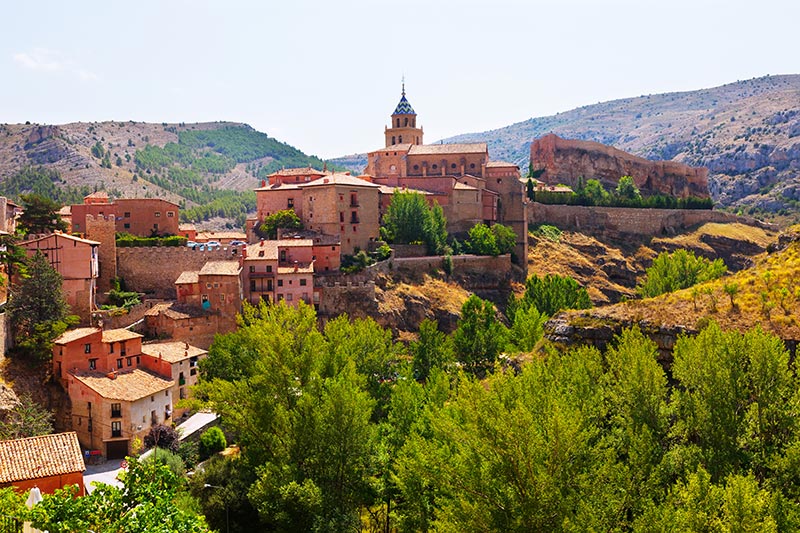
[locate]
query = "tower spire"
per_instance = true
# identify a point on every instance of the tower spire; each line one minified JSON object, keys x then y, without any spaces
{"x":404,"y":84}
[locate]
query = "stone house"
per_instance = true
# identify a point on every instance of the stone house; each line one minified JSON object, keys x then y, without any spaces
{"x":49,"y":462}
{"x":279,"y":270}
{"x":76,"y":260}
{"x":179,"y":361}
{"x":137,"y":216}
{"x":215,"y":287}
{"x":117,"y":390}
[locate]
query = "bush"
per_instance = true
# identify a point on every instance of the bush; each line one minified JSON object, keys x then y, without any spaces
{"x":212,"y":441}
{"x":168,"y":458}
{"x":548,"y":232}
{"x":126,"y":240}
{"x":678,"y":270}
{"x":164,"y":437}
{"x":495,"y":240}
{"x":549,"y":295}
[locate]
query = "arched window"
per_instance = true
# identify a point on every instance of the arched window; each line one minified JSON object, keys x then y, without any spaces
{"x":405,"y":123}
{"x":400,"y":139}
{"x":392,"y":141}
{"x":398,"y":122}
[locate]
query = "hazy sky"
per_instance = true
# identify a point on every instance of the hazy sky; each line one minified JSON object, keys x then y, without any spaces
{"x":325,"y":75}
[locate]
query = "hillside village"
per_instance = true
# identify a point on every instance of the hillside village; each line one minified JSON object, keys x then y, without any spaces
{"x":125,"y":369}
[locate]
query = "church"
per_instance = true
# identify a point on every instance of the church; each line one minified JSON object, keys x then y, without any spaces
{"x":460,"y":177}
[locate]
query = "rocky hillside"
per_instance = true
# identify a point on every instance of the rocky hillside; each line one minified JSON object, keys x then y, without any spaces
{"x":213,"y":165}
{"x":746,"y":133}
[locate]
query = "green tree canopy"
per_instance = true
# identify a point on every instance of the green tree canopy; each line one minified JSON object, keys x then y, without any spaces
{"x":286,"y":219}
{"x":627,"y":189}
{"x":549,"y":295}
{"x":495,"y":240}
{"x":409,"y":219}
{"x":40,"y":215}
{"x":37,"y":308}
{"x":678,"y":270}
{"x":480,"y":337}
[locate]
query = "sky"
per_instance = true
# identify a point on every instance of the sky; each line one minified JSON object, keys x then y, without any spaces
{"x":325,"y":75}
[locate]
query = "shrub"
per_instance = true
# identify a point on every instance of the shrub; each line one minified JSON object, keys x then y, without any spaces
{"x":212,"y":441}
{"x":678,"y":270}
{"x":163,"y":436}
{"x":549,"y":295}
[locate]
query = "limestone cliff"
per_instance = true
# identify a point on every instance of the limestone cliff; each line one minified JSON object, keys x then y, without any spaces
{"x":565,"y":160}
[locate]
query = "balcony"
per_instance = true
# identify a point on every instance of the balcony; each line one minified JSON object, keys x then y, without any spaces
{"x":116,"y":414}
{"x":116,"y":433}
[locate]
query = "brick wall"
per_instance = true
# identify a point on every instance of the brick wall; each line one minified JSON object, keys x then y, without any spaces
{"x":153,"y":270}
{"x":628,"y":221}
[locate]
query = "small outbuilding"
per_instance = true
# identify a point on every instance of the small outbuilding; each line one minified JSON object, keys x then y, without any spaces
{"x":48,"y":462}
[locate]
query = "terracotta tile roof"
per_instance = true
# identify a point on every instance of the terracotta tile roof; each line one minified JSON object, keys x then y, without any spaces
{"x":126,"y":386}
{"x":189,"y":276}
{"x":175,"y":311}
{"x":405,"y":147}
{"x":116,"y":335}
{"x":58,"y":236}
{"x":436,"y":149}
{"x":271,"y":247}
{"x":464,"y":186}
{"x":75,"y":334}
{"x":172,"y":352}
{"x":305,"y":171}
{"x":306,"y":268}
{"x":280,"y":186}
{"x":38,"y":457}
{"x":338,"y":179}
{"x":97,"y":194}
{"x":500,"y":164}
{"x":186,"y":227}
{"x":220,"y":268}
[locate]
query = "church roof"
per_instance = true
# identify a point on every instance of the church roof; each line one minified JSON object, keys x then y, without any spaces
{"x":437,"y":149}
{"x":403,"y":107}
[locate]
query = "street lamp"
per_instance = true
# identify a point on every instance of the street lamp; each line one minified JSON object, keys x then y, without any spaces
{"x":227,"y":516}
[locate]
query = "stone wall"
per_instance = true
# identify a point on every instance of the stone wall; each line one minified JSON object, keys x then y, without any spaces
{"x":153,"y":270}
{"x":103,"y":230}
{"x":620,"y":221}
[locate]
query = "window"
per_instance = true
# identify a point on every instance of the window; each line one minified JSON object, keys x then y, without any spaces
{"x":269,"y":268}
{"x":354,"y":199}
{"x":92,"y":364}
{"x":116,"y":429}
{"x":119,"y":363}
{"x":280,"y":297}
{"x":303,"y":282}
{"x":472,"y":165}
{"x":354,"y":217}
{"x":452,"y":165}
{"x":400,"y":139}
{"x":182,"y":393}
{"x":341,"y":216}
{"x":221,"y":297}
{"x":283,"y":255}
{"x":155,"y":227}
{"x":127,"y":214}
{"x":416,"y":167}
{"x":111,"y":348}
{"x":126,"y":226}
{"x":152,"y":398}
{"x":116,"y":410}
{"x":122,"y":350}
{"x":393,"y":141}
{"x":280,"y":283}
{"x":252,"y":285}
{"x":405,"y":123}
{"x":137,"y":360}
{"x":170,"y":214}
{"x":157,"y":214}
{"x":289,"y":297}
{"x":129,"y":361}
{"x":290,"y":203}
{"x":435,"y":166}
{"x":252,"y":268}
{"x":87,"y":348}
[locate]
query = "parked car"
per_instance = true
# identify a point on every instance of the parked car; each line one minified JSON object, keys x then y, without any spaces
{"x":238,"y":243}
{"x":191,"y":244}
{"x":213,"y":245}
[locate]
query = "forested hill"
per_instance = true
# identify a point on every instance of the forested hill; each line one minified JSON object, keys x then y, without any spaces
{"x":209,"y":168}
{"x":747,"y":133}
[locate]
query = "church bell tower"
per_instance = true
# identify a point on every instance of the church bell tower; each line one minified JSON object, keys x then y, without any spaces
{"x":403,"y":129}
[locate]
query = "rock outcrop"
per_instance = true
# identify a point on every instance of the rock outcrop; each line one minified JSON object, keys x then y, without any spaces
{"x":565,"y":161}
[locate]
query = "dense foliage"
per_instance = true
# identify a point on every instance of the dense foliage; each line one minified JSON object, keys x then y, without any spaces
{"x":126,"y":240}
{"x":43,"y":182}
{"x":26,"y":419}
{"x":491,"y":240}
{"x":678,"y":270}
{"x":37,"y":309}
{"x":339,"y":433}
{"x":410,"y":220}
{"x":40,"y":215}
{"x":284,"y":219}
{"x":148,"y":502}
{"x":626,"y":194}
{"x":550,"y":294}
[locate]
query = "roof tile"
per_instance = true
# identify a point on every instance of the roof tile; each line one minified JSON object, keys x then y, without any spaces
{"x":38,"y":457}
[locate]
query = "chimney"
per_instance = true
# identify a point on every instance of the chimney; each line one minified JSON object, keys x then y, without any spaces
{"x":263,"y":183}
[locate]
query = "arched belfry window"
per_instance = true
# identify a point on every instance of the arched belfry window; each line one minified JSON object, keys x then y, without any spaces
{"x":406,"y":121}
{"x":393,"y":140}
{"x":398,"y":122}
{"x":400,"y":139}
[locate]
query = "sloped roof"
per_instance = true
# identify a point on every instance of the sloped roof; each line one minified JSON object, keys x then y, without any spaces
{"x":501,"y":164}
{"x":59,"y":235}
{"x":220,"y":268}
{"x":127,"y":386}
{"x":188,"y":276}
{"x":305,"y":171}
{"x":403,"y":107}
{"x":437,"y":149}
{"x":38,"y":457}
{"x":278,"y":187}
{"x":75,"y":334}
{"x":116,"y":335}
{"x":172,"y":352}
{"x":338,"y":179}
